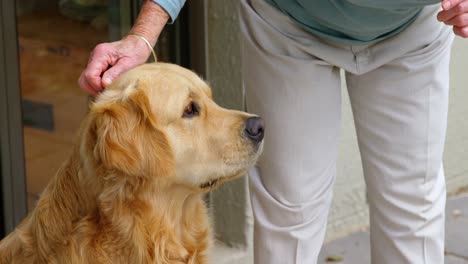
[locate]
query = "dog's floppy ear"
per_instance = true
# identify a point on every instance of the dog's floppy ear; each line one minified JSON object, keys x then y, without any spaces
{"x":126,"y":135}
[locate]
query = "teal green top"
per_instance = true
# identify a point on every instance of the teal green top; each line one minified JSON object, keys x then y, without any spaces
{"x":356,"y":22}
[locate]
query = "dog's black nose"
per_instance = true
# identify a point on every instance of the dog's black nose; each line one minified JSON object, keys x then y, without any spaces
{"x":254,"y":128}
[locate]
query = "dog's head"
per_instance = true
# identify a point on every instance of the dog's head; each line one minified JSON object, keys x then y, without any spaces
{"x":159,"y":121}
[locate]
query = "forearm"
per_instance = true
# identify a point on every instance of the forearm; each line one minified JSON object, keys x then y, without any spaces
{"x":150,"y":21}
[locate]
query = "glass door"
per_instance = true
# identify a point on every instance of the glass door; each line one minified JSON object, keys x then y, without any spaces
{"x":55,"y":38}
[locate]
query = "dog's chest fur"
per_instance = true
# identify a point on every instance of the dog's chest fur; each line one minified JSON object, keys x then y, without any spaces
{"x":66,"y":227}
{"x":161,"y":238}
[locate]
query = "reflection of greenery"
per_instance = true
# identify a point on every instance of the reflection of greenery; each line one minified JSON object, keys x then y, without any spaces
{"x":90,"y":2}
{"x":83,"y":10}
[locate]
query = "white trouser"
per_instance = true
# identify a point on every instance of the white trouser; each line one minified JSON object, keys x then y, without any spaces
{"x":399,"y":94}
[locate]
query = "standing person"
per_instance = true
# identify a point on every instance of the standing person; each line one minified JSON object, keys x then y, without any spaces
{"x":396,"y":58}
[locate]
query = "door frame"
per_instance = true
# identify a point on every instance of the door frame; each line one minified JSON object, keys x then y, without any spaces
{"x":13,"y":181}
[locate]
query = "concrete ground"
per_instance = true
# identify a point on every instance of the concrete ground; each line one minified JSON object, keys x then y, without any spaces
{"x":354,"y":249}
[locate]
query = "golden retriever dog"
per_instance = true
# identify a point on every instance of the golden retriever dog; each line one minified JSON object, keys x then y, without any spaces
{"x":131,"y":192}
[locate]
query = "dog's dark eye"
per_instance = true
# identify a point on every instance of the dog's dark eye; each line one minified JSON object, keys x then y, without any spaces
{"x":191,"y":110}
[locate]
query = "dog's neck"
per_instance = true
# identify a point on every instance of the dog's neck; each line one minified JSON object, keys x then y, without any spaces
{"x":132,"y":214}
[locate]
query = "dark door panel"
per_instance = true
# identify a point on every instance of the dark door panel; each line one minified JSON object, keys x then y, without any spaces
{"x":13,"y":193}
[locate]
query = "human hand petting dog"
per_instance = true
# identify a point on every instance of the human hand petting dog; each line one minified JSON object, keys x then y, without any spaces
{"x":109,"y":60}
{"x":455,"y":13}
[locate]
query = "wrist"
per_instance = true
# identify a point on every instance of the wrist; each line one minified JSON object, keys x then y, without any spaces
{"x":135,"y":44}
{"x":151,"y":21}
{"x":148,"y":44}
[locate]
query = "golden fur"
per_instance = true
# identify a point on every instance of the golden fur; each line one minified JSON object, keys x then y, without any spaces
{"x":131,"y":191}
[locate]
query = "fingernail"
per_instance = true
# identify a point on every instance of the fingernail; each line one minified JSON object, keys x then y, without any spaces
{"x":107,"y":81}
{"x":446,"y":5}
